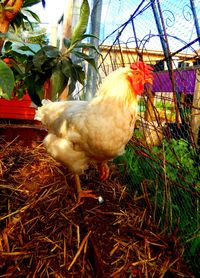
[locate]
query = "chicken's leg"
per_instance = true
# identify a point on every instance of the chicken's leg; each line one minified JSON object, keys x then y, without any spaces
{"x":78,"y":183}
{"x":104,"y":171}
{"x":83,"y":193}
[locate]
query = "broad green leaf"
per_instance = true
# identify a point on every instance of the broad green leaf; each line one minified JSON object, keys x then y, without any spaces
{"x":87,"y":58}
{"x":72,"y":86}
{"x":27,"y":48}
{"x":34,"y":15}
{"x":17,"y":67}
{"x":11,"y":37}
{"x":85,"y":36}
{"x":78,"y":74}
{"x":35,"y":85}
{"x":51,"y":51}
{"x":66,"y":66}
{"x":6,"y":79}
{"x":3,"y":95}
{"x":67,"y":42}
{"x":58,"y":83}
{"x":19,"y":20}
{"x":29,"y":3}
{"x":7,"y":46}
{"x":87,"y":46}
{"x":45,"y":54}
{"x":81,"y":26}
{"x":39,"y":59}
{"x":34,"y":97}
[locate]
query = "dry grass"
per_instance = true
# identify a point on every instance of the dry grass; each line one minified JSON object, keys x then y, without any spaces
{"x":45,"y":233}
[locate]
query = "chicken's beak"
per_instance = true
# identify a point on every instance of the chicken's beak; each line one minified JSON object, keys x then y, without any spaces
{"x":149,"y":81}
{"x":148,"y":77}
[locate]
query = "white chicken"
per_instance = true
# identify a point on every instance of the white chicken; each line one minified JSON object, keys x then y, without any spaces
{"x":82,"y":133}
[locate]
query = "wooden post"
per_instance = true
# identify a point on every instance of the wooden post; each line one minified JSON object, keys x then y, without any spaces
{"x":92,"y":75}
{"x":53,"y":34}
{"x":67,"y":23}
{"x":149,"y":111}
{"x":67,"y":31}
{"x":195,"y":107}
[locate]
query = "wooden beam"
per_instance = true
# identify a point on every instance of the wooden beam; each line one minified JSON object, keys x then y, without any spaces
{"x":67,"y":23}
{"x":196,"y":106}
{"x":67,"y":32}
{"x":149,"y":111}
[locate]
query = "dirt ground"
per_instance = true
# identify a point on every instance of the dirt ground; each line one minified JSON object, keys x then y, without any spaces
{"x":45,"y":232}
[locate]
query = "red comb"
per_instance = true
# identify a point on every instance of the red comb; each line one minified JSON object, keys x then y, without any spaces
{"x":145,"y":76}
{"x":146,"y":69}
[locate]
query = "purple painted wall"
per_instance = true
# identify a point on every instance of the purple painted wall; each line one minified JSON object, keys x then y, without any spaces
{"x":185,"y":81}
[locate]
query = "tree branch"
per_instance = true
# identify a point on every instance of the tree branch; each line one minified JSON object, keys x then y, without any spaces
{"x":8,"y":10}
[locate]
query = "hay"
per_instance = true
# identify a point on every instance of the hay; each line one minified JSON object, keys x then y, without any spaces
{"x":45,"y":233}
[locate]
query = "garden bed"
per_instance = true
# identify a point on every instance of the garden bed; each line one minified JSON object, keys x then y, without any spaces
{"x":44,"y":232}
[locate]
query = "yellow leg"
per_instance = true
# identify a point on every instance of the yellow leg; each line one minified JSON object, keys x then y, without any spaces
{"x":83,"y":193}
{"x":104,"y":171}
{"x":78,"y":183}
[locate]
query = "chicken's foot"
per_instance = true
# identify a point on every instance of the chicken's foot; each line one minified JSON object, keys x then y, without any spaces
{"x":83,"y":193}
{"x":86,"y":194}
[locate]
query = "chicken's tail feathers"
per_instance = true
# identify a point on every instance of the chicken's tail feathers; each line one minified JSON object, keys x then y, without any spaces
{"x":38,"y":115}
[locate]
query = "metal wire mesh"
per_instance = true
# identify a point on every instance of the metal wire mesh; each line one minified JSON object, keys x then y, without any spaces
{"x":162,"y":160}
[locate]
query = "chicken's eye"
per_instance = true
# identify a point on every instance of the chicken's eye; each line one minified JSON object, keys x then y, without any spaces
{"x":137,"y":73}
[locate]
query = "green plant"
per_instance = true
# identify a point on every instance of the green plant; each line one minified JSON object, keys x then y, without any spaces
{"x":7,"y":77}
{"x":23,"y":15}
{"x":49,"y":63}
{"x":6,"y":80}
{"x":164,"y":105}
{"x":34,"y":34}
{"x":171,"y":175}
{"x":141,"y":101}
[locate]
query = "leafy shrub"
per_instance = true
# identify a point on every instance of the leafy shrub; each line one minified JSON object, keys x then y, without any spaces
{"x":31,"y":68}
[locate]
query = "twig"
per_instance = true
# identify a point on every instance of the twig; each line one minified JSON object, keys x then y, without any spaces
{"x":80,"y":249}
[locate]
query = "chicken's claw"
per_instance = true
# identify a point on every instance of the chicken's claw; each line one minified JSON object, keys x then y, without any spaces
{"x":86,"y":194}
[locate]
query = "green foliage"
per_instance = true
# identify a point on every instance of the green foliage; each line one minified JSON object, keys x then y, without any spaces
{"x":172,"y":176}
{"x":49,"y":63}
{"x":34,"y":34}
{"x":39,"y":39}
{"x":164,"y":105}
{"x":22,"y":17}
{"x":6,"y":80}
{"x":141,"y":101}
{"x":182,"y":164}
{"x":81,"y":26}
{"x":10,"y":36}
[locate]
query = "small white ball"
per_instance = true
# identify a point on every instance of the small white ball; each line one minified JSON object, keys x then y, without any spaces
{"x":100,"y":199}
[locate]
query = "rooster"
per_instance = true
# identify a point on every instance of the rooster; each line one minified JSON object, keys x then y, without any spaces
{"x":81,"y":133}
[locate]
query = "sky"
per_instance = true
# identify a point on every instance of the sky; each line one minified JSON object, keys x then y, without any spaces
{"x":176,"y":14}
{"x":52,"y":11}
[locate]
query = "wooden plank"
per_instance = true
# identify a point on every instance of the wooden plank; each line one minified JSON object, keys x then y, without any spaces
{"x":196,"y":107}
